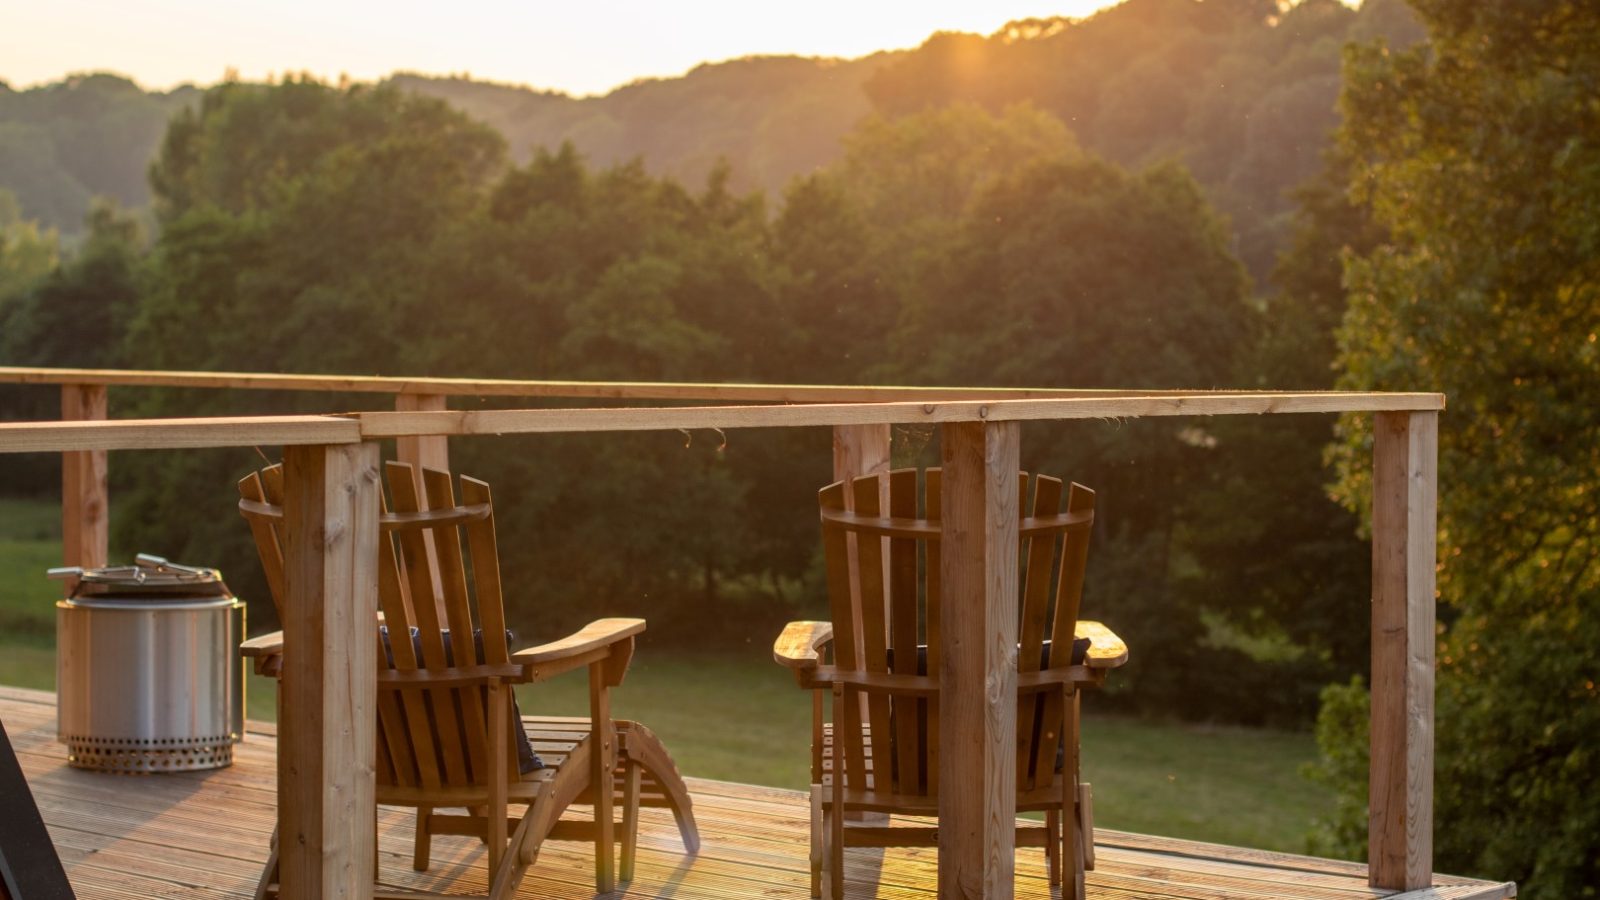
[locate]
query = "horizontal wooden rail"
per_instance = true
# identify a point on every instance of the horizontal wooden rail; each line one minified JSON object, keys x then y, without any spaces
{"x":531,"y":421}
{"x":244,"y":431}
{"x":593,"y":390}
{"x":172,"y":434}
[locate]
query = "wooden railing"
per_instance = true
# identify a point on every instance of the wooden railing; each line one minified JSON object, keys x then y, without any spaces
{"x":326,"y":738}
{"x":85,"y":495}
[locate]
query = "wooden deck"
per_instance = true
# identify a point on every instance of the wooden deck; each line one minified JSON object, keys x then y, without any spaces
{"x":205,"y":835}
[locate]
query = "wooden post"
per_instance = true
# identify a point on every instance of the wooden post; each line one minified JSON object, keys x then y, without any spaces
{"x":1404,"y":556}
{"x":85,"y":498}
{"x":978,"y":661}
{"x":327,"y":735}
{"x":428,"y":450}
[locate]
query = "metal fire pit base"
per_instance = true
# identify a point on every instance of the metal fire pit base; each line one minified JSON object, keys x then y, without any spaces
{"x":133,"y":756}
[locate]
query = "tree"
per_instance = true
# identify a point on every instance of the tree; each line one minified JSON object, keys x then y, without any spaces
{"x":1075,"y":272}
{"x":1477,"y":156}
{"x":63,"y":313}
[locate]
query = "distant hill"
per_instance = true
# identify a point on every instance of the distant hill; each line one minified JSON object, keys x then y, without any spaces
{"x":1240,"y":92}
{"x":771,"y":117}
{"x":65,"y":143}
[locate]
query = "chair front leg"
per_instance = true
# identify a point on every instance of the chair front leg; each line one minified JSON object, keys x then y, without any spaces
{"x":630,"y":820}
{"x":499,"y":771}
{"x":835,"y":808}
{"x":1073,"y":885}
{"x":603,"y":762}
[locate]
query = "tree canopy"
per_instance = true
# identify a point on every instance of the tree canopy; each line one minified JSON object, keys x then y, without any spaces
{"x":1477,"y":158}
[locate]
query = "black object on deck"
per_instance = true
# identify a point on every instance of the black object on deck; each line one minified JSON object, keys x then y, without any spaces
{"x":29,"y":866}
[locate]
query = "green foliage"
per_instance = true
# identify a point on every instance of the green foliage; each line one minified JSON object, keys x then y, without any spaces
{"x":310,"y":228}
{"x":63,"y":313}
{"x":1240,"y":91}
{"x":27,"y":252}
{"x":1477,"y":158}
{"x":773,"y":117}
{"x":88,"y":135}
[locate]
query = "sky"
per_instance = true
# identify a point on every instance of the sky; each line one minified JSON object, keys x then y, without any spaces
{"x":573,"y":46}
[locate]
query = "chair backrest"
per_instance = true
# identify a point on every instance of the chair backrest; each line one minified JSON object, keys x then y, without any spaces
{"x":431,"y":545}
{"x":884,"y":586}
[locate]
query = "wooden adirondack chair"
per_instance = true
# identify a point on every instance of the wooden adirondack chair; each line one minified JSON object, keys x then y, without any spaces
{"x":446,"y":726}
{"x":880,"y":753}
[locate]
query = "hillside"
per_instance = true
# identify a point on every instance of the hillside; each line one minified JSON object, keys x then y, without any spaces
{"x":772,"y":118}
{"x":1242,"y":95}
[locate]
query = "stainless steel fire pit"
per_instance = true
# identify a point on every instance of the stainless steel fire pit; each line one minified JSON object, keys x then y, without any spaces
{"x":148,"y":670}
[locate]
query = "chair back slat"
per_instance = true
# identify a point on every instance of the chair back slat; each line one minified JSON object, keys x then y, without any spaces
{"x":449,"y":741}
{"x":836,"y":542}
{"x":451,"y":576}
{"x":403,"y":716}
{"x":874,"y":625}
{"x":486,"y":572}
{"x":266,"y":487}
{"x":1038,"y":564}
{"x":909,"y":712}
{"x":1068,"y":592}
{"x":438,"y":570}
{"x":886,"y":620}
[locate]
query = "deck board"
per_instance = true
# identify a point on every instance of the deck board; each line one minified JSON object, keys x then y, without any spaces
{"x":205,"y":834}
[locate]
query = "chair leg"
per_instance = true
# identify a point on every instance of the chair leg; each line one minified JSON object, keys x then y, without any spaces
{"x":836,"y":846}
{"x":503,"y":880}
{"x":1086,"y":824}
{"x":603,"y":764}
{"x":630,"y":821}
{"x":424,"y":845}
{"x":816,"y":840}
{"x":1052,"y":846}
{"x":267,"y":885}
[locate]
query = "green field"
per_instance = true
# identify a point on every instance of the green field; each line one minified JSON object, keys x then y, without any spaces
{"x":732,"y":714}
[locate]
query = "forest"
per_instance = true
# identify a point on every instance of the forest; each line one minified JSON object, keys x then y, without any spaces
{"x":1229,"y":193}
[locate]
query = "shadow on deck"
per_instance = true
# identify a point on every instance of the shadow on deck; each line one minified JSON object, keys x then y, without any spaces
{"x":205,"y":834}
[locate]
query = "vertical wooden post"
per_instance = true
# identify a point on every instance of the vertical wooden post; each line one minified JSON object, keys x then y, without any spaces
{"x":327,"y":736}
{"x":1404,"y":556}
{"x":85,"y":498}
{"x":859,"y":450}
{"x":978,"y":661}
{"x":427,"y":450}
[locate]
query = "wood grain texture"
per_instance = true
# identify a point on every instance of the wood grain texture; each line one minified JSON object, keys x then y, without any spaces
{"x":176,"y":434}
{"x":423,"y":451}
{"x":599,"y":390}
{"x":978,"y":666}
{"x":204,"y":835}
{"x":1126,"y":405}
{"x":860,"y":450}
{"x":1404,"y":556}
{"x":85,"y":497}
{"x":327,"y":742}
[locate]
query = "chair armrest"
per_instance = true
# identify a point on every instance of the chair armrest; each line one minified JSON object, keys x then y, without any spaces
{"x":600,"y":640}
{"x":264,"y":645}
{"x":1106,"y":650}
{"x":800,"y":645}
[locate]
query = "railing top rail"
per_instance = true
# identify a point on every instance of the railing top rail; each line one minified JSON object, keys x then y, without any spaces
{"x":590,"y":390}
{"x":282,"y":430}
{"x":161,"y":434}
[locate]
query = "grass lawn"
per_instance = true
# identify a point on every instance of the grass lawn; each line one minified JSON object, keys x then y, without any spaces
{"x":732,"y":714}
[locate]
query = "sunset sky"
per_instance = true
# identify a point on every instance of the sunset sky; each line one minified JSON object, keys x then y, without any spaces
{"x":579,"y":47}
